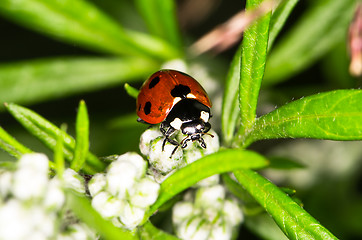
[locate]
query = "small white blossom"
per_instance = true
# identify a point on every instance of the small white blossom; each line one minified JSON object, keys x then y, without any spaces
{"x":232,"y":212}
{"x":121,"y":177}
{"x":5,"y":183}
{"x":182,"y":211}
{"x":210,"y":196}
{"x":124,"y":192}
{"x":146,"y":193}
{"x":73,"y":180}
{"x":132,"y":216}
{"x":206,"y":214}
{"x":97,"y":184}
{"x":196,"y":229}
{"x":18,"y":221}
{"x":135,"y":159}
{"x":54,"y":196}
{"x":210,"y":181}
{"x":162,"y":160}
{"x":107,"y":205}
{"x":31,"y":177}
{"x":147,"y":137}
{"x":78,"y":231}
{"x":221,"y":232}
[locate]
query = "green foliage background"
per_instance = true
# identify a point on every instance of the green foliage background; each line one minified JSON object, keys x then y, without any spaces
{"x":55,"y":53}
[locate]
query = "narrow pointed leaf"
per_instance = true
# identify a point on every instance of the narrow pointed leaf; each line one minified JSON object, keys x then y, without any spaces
{"x":254,"y":50}
{"x":58,"y":152}
{"x":48,"y":133}
{"x":322,"y":27}
{"x":83,"y":209}
{"x":160,"y":17}
{"x":82,"y":140}
{"x":292,"y":219}
{"x":34,"y":81}
{"x":230,"y":104}
{"x":335,"y":115}
{"x":11,"y":145}
{"x":133,"y":92}
{"x":278,"y":19}
{"x":220,"y":162}
{"x":80,"y":22}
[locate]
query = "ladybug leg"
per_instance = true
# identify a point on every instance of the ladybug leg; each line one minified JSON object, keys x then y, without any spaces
{"x":184,"y":142}
{"x":167,"y":133}
{"x":202,"y":142}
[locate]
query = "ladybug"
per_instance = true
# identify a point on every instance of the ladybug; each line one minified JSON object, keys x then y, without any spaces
{"x":179,"y":103}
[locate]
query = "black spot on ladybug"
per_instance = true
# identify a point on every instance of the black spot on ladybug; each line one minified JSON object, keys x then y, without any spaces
{"x":180,"y":91}
{"x":147,"y":108}
{"x":153,"y":82}
{"x":139,"y":107}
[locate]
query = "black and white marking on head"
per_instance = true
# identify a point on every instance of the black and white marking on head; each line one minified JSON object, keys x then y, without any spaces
{"x":176,"y":123}
{"x":154,"y":82}
{"x":147,"y":108}
{"x":180,"y":91}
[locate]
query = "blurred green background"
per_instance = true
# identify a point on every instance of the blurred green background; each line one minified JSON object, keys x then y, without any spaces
{"x":329,"y":185}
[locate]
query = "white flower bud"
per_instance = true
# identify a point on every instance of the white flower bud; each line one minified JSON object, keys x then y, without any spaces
{"x":37,"y":161}
{"x":192,"y":153}
{"x":210,"y":197}
{"x":54,"y":196}
{"x":207,"y":182}
{"x":5,"y":183}
{"x":107,"y":205}
{"x":73,"y":180}
{"x":197,"y":229}
{"x":97,"y":184}
{"x":31,"y":177}
{"x":132,"y":216}
{"x":232,"y":212}
{"x":78,"y":231}
{"x":182,"y":211}
{"x":18,"y":222}
{"x":136,"y":160}
{"x":212,"y":143}
{"x":121,"y":177}
{"x":221,"y":232}
{"x":147,"y":137}
{"x":145,"y":194}
{"x":161,"y":160}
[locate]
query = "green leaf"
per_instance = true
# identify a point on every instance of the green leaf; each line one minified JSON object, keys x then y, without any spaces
{"x":133,"y":92}
{"x":321,"y":27}
{"x":11,"y":145}
{"x":293,"y":220}
{"x":220,"y":162}
{"x":160,"y":17}
{"x":230,"y":104}
{"x":58,"y":151}
{"x":34,"y":81}
{"x":335,"y":115}
{"x":150,"y":232}
{"x":83,"y":209}
{"x":284,"y":163}
{"x":79,"y":22}
{"x":278,"y":19}
{"x":48,"y":133}
{"x":253,"y":57}
{"x":82,"y":140}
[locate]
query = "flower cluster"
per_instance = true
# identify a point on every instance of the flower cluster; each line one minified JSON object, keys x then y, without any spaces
{"x":31,"y":203}
{"x":206,"y":214}
{"x":164,"y":161}
{"x":125,"y":191}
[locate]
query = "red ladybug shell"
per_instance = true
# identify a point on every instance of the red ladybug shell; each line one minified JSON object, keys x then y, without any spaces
{"x":158,"y":93}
